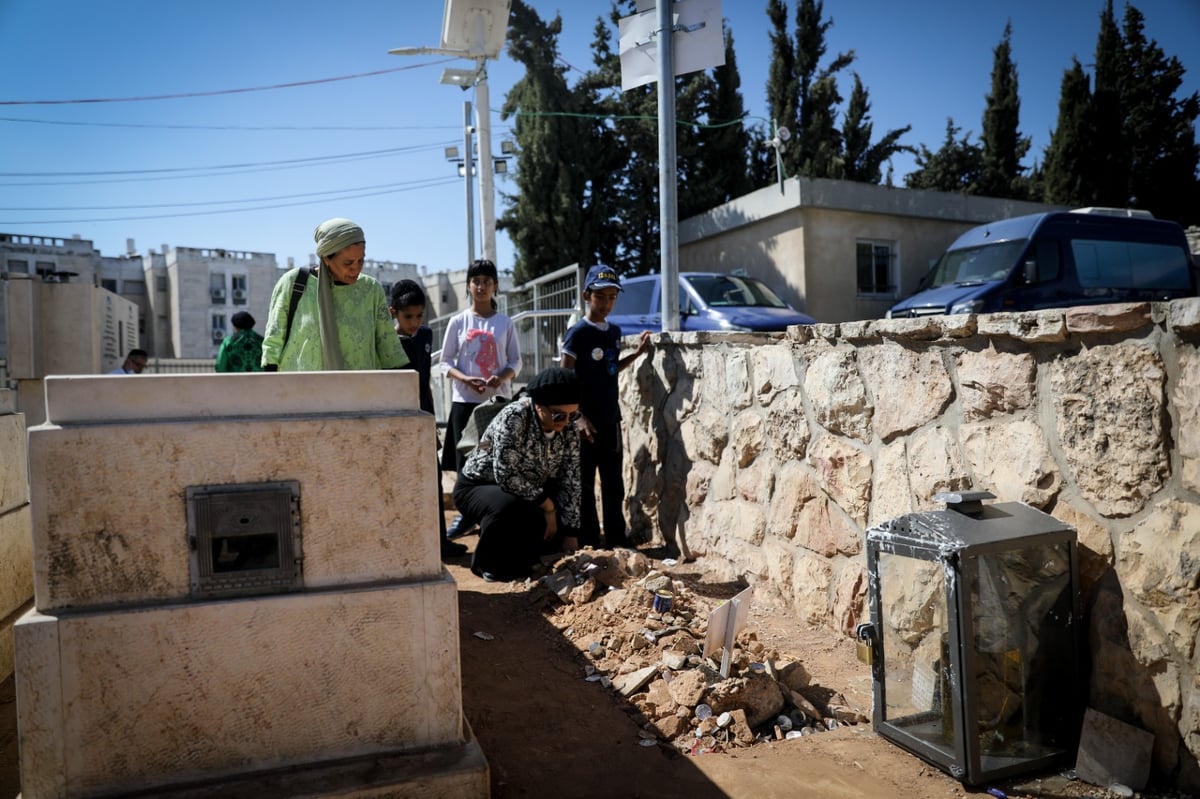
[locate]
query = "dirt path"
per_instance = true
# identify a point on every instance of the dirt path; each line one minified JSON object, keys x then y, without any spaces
{"x":546,"y":731}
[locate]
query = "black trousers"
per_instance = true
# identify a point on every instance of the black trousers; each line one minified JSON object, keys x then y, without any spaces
{"x":604,"y":455}
{"x":456,"y":420}
{"x":512,"y":530}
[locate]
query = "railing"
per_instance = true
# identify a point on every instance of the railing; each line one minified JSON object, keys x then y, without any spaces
{"x":179,"y":366}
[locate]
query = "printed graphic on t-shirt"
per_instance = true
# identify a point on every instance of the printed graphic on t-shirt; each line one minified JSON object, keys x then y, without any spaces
{"x":480,"y":349}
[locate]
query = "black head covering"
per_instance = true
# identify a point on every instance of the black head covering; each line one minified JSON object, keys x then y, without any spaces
{"x":554,"y":386}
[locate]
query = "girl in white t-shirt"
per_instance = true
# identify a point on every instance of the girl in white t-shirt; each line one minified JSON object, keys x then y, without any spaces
{"x":480,"y":354}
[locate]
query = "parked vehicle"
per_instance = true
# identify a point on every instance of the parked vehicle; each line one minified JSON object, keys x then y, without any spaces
{"x":707,"y":301}
{"x":1088,"y":256}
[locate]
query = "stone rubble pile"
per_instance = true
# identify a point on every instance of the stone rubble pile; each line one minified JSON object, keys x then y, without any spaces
{"x":655,"y":660}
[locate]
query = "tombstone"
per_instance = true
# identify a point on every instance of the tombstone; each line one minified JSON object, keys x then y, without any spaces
{"x":238,"y":591}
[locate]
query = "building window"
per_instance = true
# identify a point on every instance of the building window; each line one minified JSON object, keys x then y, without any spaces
{"x":216,"y":287}
{"x":134,"y":287}
{"x":876,"y":262}
{"x":219,"y":327}
{"x":45,"y":268}
{"x":161,"y":284}
{"x":18,"y":266}
{"x":238,"y":284}
{"x":109,"y":284}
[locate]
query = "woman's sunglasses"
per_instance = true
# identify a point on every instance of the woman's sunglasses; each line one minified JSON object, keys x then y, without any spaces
{"x":563,"y":416}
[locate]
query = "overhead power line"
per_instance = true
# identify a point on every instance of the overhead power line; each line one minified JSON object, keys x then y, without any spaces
{"x":217,"y":92}
{"x":136,"y":176}
{"x":416,"y":184}
{"x":312,"y":201}
{"x":165,"y":126}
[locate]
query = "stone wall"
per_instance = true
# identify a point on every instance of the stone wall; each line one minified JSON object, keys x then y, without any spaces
{"x":772,"y":454}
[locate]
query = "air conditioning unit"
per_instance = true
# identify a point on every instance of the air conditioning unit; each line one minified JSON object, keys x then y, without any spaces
{"x":218,"y":334}
{"x":218,"y":295}
{"x":239,"y":295}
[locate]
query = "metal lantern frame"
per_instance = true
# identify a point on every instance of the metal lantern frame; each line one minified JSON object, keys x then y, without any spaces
{"x":982,"y":552}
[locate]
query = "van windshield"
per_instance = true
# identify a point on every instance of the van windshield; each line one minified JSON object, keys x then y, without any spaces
{"x":975,"y":265}
{"x":719,"y":291}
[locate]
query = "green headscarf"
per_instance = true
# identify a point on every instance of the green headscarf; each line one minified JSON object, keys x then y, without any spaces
{"x":331,"y":236}
{"x":336,"y":234}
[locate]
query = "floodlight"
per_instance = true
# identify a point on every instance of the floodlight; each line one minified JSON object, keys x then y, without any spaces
{"x":500,"y":165}
{"x":452,"y":154}
{"x":462,"y":78}
{"x":507,"y":147}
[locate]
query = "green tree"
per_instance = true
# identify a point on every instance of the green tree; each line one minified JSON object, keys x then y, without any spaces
{"x":955,"y":167}
{"x":1112,"y":175}
{"x":1003,"y":145}
{"x":863,"y":161}
{"x":546,"y":232}
{"x":723,"y":157}
{"x":1069,"y":172}
{"x":1159,"y":130}
{"x":803,"y":96}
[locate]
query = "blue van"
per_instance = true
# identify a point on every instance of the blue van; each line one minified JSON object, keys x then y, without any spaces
{"x":707,"y":301}
{"x":1088,"y":256}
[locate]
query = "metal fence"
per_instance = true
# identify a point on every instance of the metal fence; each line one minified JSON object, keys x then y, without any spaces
{"x":180,"y":366}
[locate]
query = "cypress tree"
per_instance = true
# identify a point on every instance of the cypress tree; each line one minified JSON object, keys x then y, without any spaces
{"x":1003,"y":145}
{"x":1112,"y":175}
{"x":1069,"y":174}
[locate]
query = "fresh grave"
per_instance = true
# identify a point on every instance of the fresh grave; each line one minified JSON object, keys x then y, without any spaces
{"x":604,"y":604}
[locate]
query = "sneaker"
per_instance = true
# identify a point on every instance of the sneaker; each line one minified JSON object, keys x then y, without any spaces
{"x":459,"y":527}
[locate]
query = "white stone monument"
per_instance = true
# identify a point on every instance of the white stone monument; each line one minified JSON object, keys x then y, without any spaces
{"x":238,"y":591}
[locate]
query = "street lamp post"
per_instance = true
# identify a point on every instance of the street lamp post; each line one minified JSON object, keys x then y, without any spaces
{"x":475,"y":30}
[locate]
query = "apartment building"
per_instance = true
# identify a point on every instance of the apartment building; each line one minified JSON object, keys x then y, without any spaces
{"x":186,"y":296}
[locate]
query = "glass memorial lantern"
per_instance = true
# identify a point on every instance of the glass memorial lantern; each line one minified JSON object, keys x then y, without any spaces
{"x":974,"y":636}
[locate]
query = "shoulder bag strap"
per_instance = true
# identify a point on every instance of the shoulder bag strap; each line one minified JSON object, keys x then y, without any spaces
{"x":297,"y":290}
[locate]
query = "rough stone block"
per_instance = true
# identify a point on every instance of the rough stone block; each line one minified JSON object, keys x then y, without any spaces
{"x":1111,"y":751}
{"x":363,"y":515}
{"x":138,"y":698}
{"x":14,"y":474}
{"x":16,"y":562}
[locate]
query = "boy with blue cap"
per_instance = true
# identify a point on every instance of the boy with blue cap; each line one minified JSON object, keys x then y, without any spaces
{"x":592,"y":348}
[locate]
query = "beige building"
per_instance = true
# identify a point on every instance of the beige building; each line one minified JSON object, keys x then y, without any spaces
{"x":836,"y":250}
{"x":185,"y":296}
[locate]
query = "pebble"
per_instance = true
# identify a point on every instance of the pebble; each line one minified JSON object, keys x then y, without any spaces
{"x":1123,"y":791}
{"x":794,"y":734}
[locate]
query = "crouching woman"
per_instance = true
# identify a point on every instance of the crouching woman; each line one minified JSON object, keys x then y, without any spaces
{"x":522,"y":481}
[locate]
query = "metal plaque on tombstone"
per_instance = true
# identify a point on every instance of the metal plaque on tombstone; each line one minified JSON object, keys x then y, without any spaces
{"x":724,"y":624}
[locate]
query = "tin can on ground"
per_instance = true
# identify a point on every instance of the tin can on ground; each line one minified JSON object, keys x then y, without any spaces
{"x":662,"y":601}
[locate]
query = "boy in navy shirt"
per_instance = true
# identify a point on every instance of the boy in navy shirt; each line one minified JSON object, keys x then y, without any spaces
{"x":407,"y":307}
{"x":593,"y":349}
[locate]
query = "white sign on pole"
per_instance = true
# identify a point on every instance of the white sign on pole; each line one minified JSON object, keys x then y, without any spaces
{"x":699,"y":45}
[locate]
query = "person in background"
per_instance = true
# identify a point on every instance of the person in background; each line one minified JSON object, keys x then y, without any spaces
{"x":241,"y":352}
{"x":592,"y":348}
{"x":481,"y":356}
{"x":134,"y":363}
{"x":407,"y":308}
{"x":341,"y":319}
{"x":522,"y":481}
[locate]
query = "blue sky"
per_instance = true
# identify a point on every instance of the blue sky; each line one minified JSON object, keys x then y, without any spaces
{"x":207,"y":170}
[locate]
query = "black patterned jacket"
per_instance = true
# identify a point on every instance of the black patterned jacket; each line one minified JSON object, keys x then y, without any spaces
{"x":515,"y":454}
